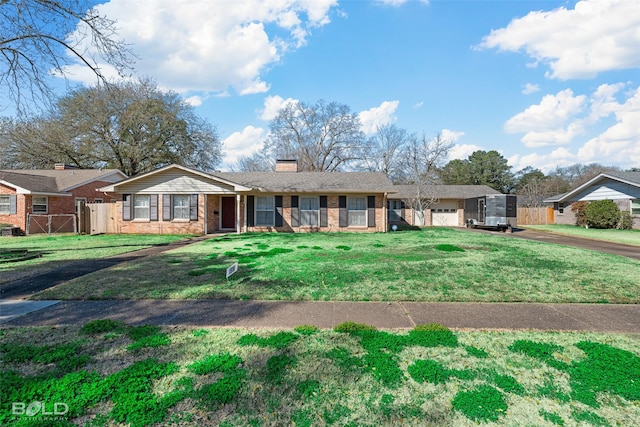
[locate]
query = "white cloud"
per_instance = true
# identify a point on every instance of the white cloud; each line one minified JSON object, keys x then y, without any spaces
{"x":213,"y":46}
{"x":244,"y":143}
{"x":397,"y":3}
{"x":462,"y":151}
{"x":560,"y":157}
{"x":593,"y":37}
{"x":378,"y":116}
{"x":272,"y":105}
{"x":530,"y":88}
{"x":418,"y":104}
{"x":551,"y":122}
{"x":451,"y":135}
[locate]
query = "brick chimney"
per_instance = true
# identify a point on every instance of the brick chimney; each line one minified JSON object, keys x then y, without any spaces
{"x":62,"y":166}
{"x":286,"y":165}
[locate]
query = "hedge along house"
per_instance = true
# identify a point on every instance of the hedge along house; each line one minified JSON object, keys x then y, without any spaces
{"x":621,"y":187}
{"x":446,"y":211}
{"x":177,"y":199}
{"x":29,"y":199}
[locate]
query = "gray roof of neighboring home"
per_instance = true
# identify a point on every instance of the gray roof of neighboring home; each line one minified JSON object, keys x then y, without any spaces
{"x":445,"y":191}
{"x":629,"y":177}
{"x":53,"y":181}
{"x":311,"y":182}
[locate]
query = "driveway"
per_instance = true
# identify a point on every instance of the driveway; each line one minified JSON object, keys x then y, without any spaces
{"x":594,"y":245}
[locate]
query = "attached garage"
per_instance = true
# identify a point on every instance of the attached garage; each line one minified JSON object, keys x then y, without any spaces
{"x":445,"y":214}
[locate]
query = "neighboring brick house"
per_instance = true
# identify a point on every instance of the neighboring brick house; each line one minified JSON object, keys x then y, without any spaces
{"x":177,"y":199}
{"x":448,"y":210}
{"x":621,"y":187}
{"x":24,"y":193}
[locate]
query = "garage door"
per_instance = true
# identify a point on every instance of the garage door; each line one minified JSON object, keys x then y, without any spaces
{"x":445,"y":214}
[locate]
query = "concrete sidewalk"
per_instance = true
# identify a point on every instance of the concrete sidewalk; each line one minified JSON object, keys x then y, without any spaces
{"x":278,"y":314}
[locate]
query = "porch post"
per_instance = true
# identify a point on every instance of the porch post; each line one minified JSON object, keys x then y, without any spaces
{"x":245,"y":213}
{"x":238,"y":214}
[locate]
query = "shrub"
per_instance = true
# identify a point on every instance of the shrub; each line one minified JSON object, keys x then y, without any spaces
{"x":349,"y":327}
{"x":602,"y":214}
{"x":578,"y":209}
{"x":625,"y":222}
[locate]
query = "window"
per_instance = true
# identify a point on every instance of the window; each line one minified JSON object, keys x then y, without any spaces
{"x":265,"y":208}
{"x":98,"y":200}
{"x":309,"y":211}
{"x":180,"y":206}
{"x":357,"y":207}
{"x":559,"y":206}
{"x":39,"y":205}
{"x":395,"y":210}
{"x":75,"y":205}
{"x":141,"y":204}
{"x":5,"y":205}
{"x":635,"y":207}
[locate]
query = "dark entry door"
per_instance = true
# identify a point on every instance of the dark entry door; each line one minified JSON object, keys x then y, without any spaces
{"x":228,"y":212}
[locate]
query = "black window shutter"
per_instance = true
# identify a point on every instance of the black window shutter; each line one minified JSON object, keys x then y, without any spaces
{"x":166,"y":207}
{"x":324,"y":217}
{"x":13,"y":204}
{"x":126,"y":207}
{"x":153,"y":207}
{"x":250,"y":211}
{"x":343,"y":219}
{"x":193,"y":207}
{"x":278,"y":222}
{"x":295,"y":212}
{"x":371,"y":211}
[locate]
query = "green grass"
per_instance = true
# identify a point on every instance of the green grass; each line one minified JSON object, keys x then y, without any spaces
{"x":354,"y":375}
{"x":63,"y":249}
{"x":434,"y":264}
{"x":628,"y":237}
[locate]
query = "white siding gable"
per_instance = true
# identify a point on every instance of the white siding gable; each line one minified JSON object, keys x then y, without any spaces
{"x":609,"y":190}
{"x":176,"y":182}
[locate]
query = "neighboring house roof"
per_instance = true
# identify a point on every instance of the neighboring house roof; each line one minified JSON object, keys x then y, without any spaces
{"x":312,"y":182}
{"x":445,"y":191}
{"x":629,"y":178}
{"x":55,"y":182}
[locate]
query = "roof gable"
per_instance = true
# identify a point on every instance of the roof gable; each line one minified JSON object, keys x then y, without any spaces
{"x":50,"y":181}
{"x":631,"y":179}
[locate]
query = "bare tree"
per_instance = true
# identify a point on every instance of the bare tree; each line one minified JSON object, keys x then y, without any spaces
{"x":421,"y":164}
{"x":256,"y":162}
{"x":35,"y":41}
{"x":322,"y":137}
{"x":131,"y":126}
{"x":385,"y":151}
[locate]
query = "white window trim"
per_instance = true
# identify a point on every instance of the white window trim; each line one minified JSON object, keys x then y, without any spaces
{"x":273,"y":212}
{"x":395,"y":210}
{"x":316,"y":211}
{"x":176,"y":218}
{"x":45,"y":204}
{"x":135,"y":208}
{"x":98,"y":200}
{"x":7,"y":204}
{"x":366,"y":215}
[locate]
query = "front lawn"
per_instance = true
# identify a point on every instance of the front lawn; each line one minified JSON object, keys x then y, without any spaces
{"x":627,"y":237}
{"x":46,"y":253}
{"x":434,"y":264}
{"x":108,"y":373}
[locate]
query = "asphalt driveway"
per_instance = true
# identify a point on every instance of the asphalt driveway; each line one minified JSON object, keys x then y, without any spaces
{"x":594,"y":245}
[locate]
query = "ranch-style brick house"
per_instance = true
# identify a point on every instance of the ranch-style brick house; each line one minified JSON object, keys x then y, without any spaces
{"x":27,"y":197}
{"x":447,"y":211}
{"x":178,"y":199}
{"x":621,"y":187}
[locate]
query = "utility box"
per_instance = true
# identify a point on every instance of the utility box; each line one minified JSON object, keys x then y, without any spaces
{"x":493,"y":211}
{"x":11,"y":231}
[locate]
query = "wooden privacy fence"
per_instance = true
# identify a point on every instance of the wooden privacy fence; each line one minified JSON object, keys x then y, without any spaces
{"x":535,"y":216}
{"x":96,"y":218}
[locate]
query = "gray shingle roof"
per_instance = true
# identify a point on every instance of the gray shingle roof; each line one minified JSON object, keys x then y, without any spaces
{"x":52,"y":181}
{"x":308,"y":182}
{"x":445,"y":191}
{"x":626,"y":176}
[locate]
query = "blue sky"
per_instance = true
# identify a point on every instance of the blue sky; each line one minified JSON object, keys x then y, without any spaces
{"x":545,"y":83}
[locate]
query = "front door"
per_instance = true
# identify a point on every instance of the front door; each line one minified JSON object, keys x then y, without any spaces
{"x":228,"y":213}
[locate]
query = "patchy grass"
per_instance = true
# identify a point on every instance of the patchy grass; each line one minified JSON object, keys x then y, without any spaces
{"x":434,"y":264}
{"x":60,"y":250}
{"x":628,"y":237}
{"x":354,"y":375}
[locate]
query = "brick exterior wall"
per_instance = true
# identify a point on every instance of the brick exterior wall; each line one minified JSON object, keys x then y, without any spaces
{"x":175,"y":226}
{"x":19,"y":219}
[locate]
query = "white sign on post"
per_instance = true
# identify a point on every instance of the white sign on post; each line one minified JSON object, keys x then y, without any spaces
{"x":232,"y":269}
